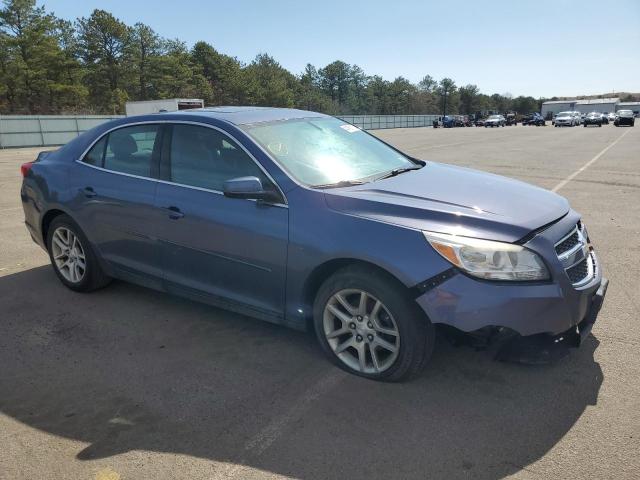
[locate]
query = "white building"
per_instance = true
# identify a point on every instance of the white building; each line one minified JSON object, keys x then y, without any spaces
{"x":601,"y":105}
{"x":553,"y":107}
{"x":166,"y":105}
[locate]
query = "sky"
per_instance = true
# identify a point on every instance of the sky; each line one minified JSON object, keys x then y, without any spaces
{"x":541,"y":48}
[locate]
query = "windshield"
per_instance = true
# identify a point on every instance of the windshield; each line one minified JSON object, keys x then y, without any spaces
{"x":494,"y":117}
{"x":320,"y":151}
{"x":624,"y":112}
{"x":565,"y":114}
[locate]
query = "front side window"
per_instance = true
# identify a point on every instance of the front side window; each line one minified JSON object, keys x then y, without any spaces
{"x":126,"y":150}
{"x":206,"y":158}
{"x":321,"y":151}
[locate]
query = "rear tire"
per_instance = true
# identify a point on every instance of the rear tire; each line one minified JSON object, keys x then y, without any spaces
{"x":360,"y":316}
{"x":72,"y":256}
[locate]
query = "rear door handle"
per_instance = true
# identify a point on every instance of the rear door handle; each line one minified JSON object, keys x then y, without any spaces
{"x":174,"y":213}
{"x":88,"y":192}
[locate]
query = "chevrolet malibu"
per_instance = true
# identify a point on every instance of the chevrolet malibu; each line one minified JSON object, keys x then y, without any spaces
{"x":301,"y":219}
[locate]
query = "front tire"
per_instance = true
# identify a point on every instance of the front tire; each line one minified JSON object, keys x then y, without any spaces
{"x":367,"y":325}
{"x":72,"y":256}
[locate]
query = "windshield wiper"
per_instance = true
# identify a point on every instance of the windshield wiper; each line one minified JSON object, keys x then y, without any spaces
{"x":341,"y":183}
{"x":398,"y":171}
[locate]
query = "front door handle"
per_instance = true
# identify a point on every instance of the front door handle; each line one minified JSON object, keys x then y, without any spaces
{"x":174,"y":213}
{"x":88,"y":192}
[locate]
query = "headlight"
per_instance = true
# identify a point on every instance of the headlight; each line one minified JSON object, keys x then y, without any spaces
{"x":489,"y":260}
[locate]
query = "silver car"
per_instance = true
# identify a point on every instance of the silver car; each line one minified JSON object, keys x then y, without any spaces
{"x":578,"y":117}
{"x":495,"y":121}
{"x":565,"y":119}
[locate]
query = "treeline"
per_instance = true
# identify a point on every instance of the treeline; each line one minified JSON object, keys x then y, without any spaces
{"x":94,"y":65}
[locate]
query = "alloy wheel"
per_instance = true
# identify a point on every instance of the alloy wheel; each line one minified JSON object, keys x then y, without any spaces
{"x":68,"y":255}
{"x":361,"y":331}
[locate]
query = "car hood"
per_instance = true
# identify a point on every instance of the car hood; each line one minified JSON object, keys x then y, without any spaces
{"x":449,"y":199}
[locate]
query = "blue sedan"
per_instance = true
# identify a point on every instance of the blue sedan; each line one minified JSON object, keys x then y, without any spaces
{"x":301,"y":219}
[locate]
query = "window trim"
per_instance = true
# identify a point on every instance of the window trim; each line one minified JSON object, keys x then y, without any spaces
{"x":156,"y":171}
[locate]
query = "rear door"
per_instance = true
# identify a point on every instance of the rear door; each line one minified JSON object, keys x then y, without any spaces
{"x":231,"y":251}
{"x":115,"y":185}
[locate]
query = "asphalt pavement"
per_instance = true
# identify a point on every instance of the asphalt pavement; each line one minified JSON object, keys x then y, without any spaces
{"x":129,"y":383}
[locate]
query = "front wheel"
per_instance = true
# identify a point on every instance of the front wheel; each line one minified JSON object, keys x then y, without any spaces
{"x":72,"y":256}
{"x":368,"y":325}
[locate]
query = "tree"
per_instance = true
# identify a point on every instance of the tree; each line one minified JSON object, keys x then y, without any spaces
{"x":49,"y":65}
{"x":268,"y":83}
{"x":146,"y":48}
{"x":224,"y":74}
{"x":106,"y":46}
{"x":446,"y":88}
{"x":525,"y":104}
{"x":30,"y":52}
{"x":469,"y":99}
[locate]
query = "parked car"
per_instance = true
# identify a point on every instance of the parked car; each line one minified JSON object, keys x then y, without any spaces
{"x":533,"y":119}
{"x":624,"y":117}
{"x":510,"y":119}
{"x":565,"y":119}
{"x":304,"y":220}
{"x":611,"y":116}
{"x":593,"y":118}
{"x":480,"y":122}
{"x":448,"y":121}
{"x":495,"y":121}
{"x":605,"y":118}
{"x":578,"y":116}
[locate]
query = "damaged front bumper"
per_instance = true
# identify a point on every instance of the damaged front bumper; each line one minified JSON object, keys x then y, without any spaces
{"x":544,"y":348}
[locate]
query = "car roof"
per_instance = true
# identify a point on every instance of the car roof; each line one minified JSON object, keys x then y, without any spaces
{"x":249,"y":115}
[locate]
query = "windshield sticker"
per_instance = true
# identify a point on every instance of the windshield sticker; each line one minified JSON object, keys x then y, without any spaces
{"x":350,"y":128}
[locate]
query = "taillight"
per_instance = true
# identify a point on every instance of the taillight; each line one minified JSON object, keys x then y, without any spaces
{"x":25,"y":168}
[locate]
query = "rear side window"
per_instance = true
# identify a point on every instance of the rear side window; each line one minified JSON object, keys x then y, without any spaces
{"x":127,"y":150}
{"x":96,"y":154}
{"x":206,"y":158}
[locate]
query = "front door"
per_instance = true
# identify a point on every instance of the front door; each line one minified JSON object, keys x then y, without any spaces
{"x":231,"y":251}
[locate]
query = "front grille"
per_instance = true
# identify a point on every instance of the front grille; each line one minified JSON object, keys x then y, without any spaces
{"x":568,"y":243}
{"x":576,"y":256}
{"x":577,"y":273}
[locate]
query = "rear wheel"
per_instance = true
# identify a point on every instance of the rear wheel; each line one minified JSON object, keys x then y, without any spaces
{"x":368,"y":326}
{"x":72,"y":256}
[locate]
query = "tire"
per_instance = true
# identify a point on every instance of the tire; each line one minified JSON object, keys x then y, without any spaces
{"x":92,"y":277}
{"x":413,"y":340}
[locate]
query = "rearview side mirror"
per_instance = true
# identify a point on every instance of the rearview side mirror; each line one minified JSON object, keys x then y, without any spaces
{"x":249,"y":188}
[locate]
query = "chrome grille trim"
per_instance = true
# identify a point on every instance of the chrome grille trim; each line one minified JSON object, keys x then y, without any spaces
{"x":576,"y":256}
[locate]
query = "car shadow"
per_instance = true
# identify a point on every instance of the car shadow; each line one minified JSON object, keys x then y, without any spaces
{"x":127,"y":368}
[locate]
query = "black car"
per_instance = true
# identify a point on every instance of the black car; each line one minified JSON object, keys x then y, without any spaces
{"x":593,"y":118}
{"x":624,"y":117}
{"x":533,"y":119}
